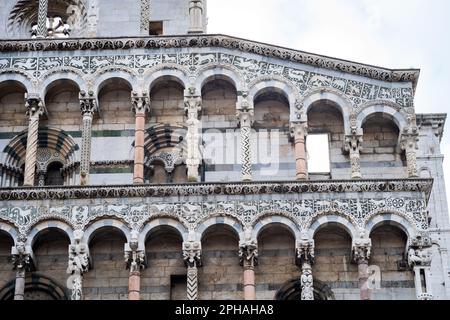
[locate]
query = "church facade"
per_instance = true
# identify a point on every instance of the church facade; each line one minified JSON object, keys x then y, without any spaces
{"x":143,"y":158}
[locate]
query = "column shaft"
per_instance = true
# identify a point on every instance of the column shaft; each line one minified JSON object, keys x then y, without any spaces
{"x":300,"y":158}
{"x":363,"y":275}
{"x":19,"y":290}
{"x":134,"y":285}
{"x":85,"y":162}
{"x":139,"y":153}
{"x":249,"y":283}
{"x":42,"y":19}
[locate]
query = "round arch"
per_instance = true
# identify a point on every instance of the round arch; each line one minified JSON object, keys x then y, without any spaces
{"x":159,"y":223}
{"x":21,"y":79}
{"x":36,"y":282}
{"x":286,"y":89}
{"x":90,"y":231}
{"x":274,"y":220}
{"x":45,"y":225}
{"x":175,"y":74}
{"x":326,"y":94}
{"x":101,"y":79}
{"x":233,"y":223}
{"x":398,"y":118}
{"x":392,"y":219}
{"x":9,"y":230}
{"x":218,"y":72}
{"x":56,"y":76}
{"x":332,"y":219}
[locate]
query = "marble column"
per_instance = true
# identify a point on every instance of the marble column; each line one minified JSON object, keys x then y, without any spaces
{"x":419,"y":259}
{"x":245,"y":116}
{"x":35,"y":109}
{"x":361,"y":251}
{"x":353,"y":145}
{"x":299,"y":131}
{"x":409,"y":143}
{"x":305,"y":259}
{"x":196,"y":16}
{"x":42,"y":19}
{"x":248,"y":256}
{"x":193,"y":107}
{"x":135,"y":262}
{"x":78,"y":265}
{"x":88,"y":106}
{"x":23,"y":263}
{"x":192,"y":255}
{"x":140,"y":106}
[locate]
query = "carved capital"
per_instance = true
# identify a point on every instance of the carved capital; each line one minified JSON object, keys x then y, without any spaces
{"x":140,"y":103}
{"x":134,"y":258}
{"x":298,"y":130}
{"x":409,"y":140}
{"x":192,"y":254}
{"x":88,"y":103}
{"x":353,"y":143}
{"x":248,"y":253}
{"x":34,"y":105}
{"x":305,"y":251}
{"x":193,"y":106}
{"x":245,"y":117}
{"x":361,"y":250}
{"x":22,"y":256}
{"x":78,"y":259}
{"x":421,"y":257}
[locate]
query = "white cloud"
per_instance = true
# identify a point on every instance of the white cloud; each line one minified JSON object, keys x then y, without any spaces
{"x":389,"y":33}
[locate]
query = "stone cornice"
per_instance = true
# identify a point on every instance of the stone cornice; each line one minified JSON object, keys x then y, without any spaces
{"x":435,"y":120}
{"x":222,"y":41}
{"x":215,"y":189}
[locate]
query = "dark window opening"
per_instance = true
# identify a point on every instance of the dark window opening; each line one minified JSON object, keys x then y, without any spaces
{"x":54,"y":175}
{"x":156,"y":28}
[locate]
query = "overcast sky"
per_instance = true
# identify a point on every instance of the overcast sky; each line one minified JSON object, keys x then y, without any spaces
{"x":387,"y":33}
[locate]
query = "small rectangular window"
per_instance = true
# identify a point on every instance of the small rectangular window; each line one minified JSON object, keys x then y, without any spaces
{"x":318,"y":148}
{"x":156,"y":28}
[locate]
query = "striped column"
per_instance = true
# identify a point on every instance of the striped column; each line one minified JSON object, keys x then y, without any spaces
{"x":245,"y":117}
{"x":35,"y":109}
{"x":192,"y":251}
{"x":42,"y":19}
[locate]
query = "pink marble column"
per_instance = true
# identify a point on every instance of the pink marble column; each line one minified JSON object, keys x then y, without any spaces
{"x":134,"y":285}
{"x":361,"y":254}
{"x":248,"y":255}
{"x":299,"y":131}
{"x":140,"y":107}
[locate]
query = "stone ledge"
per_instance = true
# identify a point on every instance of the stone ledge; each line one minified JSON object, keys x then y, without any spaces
{"x":211,"y":189}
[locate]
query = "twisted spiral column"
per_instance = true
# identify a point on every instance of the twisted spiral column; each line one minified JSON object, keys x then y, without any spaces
{"x":34,"y":110}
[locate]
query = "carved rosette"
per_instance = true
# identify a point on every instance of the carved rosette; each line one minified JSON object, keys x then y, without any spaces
{"x":193,"y":107}
{"x":192,"y":251}
{"x":78,"y":265}
{"x":353,"y":145}
{"x":361,"y":250}
{"x":245,"y":117}
{"x":248,"y":254}
{"x":305,"y":258}
{"x":409,"y":143}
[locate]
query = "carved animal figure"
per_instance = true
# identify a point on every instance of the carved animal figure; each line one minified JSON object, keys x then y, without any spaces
{"x":4,"y":63}
{"x":99,"y":63}
{"x":27,"y":64}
